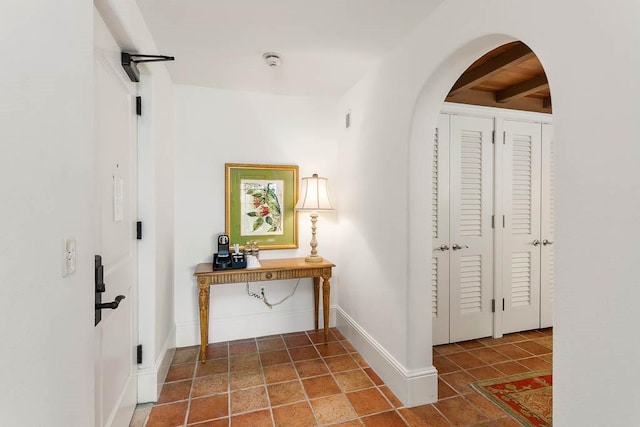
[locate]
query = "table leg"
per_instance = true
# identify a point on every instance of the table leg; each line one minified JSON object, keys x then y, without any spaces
{"x":316,"y":298}
{"x":203,"y":302}
{"x":326,"y":298}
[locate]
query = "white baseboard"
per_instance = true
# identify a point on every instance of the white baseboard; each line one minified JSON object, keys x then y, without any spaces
{"x":150,"y":379}
{"x":231,"y":328}
{"x":413,"y":387}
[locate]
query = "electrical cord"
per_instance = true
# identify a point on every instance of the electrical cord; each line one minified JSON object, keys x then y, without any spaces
{"x":262,"y":297}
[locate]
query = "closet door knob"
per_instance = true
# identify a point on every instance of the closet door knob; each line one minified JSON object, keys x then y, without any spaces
{"x":457,"y":247}
{"x":547,"y":242}
{"x":535,"y":242}
{"x":442,"y":248}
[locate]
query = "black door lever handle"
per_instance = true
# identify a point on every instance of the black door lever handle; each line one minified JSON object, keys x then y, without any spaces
{"x":112,"y":305}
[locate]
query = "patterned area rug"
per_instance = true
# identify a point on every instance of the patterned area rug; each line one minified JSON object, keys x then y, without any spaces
{"x":526,"y":397}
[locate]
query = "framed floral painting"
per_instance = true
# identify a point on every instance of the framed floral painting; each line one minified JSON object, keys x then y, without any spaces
{"x":259,"y":205}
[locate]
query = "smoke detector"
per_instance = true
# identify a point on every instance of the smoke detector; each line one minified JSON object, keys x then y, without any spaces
{"x":272,"y":59}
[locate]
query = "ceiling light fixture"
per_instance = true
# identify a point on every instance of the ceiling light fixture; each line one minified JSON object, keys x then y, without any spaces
{"x":272,"y":59}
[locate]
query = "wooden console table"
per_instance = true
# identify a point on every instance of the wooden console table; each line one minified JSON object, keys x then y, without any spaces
{"x":271,"y":269}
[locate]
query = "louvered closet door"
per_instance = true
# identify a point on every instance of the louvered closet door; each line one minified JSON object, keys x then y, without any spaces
{"x":521,"y":204}
{"x":440,"y":232}
{"x":548,"y":228}
{"x":471,"y":193}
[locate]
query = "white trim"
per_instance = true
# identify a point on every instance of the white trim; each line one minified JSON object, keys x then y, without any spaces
{"x":150,"y":380}
{"x":229,"y":328}
{"x":412,"y":386}
{"x":481,"y":111}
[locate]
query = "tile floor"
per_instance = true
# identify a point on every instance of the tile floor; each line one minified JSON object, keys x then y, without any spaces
{"x":295,"y":380}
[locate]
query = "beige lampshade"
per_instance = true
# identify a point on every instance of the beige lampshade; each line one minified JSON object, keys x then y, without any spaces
{"x":314,"y":195}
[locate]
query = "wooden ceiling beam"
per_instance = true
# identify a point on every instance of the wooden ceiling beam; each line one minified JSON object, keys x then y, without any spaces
{"x":546,"y":102}
{"x":523,"y":89}
{"x":512,"y":57}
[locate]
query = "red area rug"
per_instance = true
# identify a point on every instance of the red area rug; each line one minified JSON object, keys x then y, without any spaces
{"x":526,"y":397}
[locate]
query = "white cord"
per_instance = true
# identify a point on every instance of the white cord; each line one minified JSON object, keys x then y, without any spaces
{"x":263,"y":297}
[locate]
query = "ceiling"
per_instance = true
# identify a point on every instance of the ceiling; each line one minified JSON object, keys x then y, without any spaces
{"x":325,"y":46}
{"x":510,"y":76}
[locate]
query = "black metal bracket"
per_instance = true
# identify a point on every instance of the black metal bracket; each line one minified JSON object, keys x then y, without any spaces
{"x":129,"y":61}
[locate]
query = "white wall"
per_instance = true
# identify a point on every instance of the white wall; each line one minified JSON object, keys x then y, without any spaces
{"x":589,"y":54}
{"x":214,"y":127}
{"x":46,"y":159}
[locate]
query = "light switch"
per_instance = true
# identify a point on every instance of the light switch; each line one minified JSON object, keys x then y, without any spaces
{"x":68,"y":256}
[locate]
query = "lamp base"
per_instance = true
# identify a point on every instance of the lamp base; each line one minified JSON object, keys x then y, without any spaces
{"x":314,"y":258}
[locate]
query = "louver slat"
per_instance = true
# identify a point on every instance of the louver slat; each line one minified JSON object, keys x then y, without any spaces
{"x":522,"y":182}
{"x":434,"y":201}
{"x":521,"y":279}
{"x":434,"y":287}
{"x":471,"y":184}
{"x":470,"y":284}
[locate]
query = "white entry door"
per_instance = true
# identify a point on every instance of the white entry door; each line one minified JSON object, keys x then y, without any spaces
{"x":547,"y":260}
{"x":116,"y":193}
{"x":522,"y":240}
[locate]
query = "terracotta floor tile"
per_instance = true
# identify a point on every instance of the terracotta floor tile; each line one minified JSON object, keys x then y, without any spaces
{"x":217,"y":351}
{"x":175,"y":391}
{"x":395,"y":402}
{"x":248,"y":400}
{"x":360,"y":360}
{"x":424,"y":416}
{"x":449,"y":349}
{"x":338,"y":334}
{"x":330,"y":349}
{"x":320,"y":386}
{"x":385,"y":419}
{"x":185,"y":355}
{"x":368,"y":401}
{"x":220,"y":422}
{"x":489,"y":355}
{"x":271,"y":344}
{"x":169,"y":415}
{"x":333,"y":409}
{"x":353,"y":380}
{"x":458,"y":411}
{"x":274,"y":357}
{"x":485,"y":373}
{"x":373,"y":376}
{"x":466,"y":360}
{"x":347,"y":346}
{"x":547,"y":358}
{"x":352,"y":423}
{"x":212,"y":367}
{"x":471,"y":344}
{"x":180,"y":372}
{"x":511,"y":368}
{"x":535,"y":364}
{"x":484,"y":405}
{"x":512,"y":351}
{"x":444,"y":390}
{"x":341,"y":363}
{"x":279,"y":373}
{"x":242,"y":348}
{"x":211,"y":384}
{"x":284,"y":393}
{"x":296,"y":415}
{"x":253,"y":419}
{"x":533,"y":334}
{"x":208,"y":408}
{"x":460,"y":381}
{"x":298,"y":340}
{"x":533,"y":348}
{"x":317,"y":337}
{"x":444,"y":365}
{"x":303,"y":353}
{"x":311,"y":368}
{"x":245,"y":379}
{"x":545,"y":342}
{"x":244,"y":363}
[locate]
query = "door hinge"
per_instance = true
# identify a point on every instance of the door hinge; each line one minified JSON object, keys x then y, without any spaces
{"x":503,"y":221}
{"x":139,"y":354}
{"x":493,"y":221}
{"x":502,"y":304}
{"x":139,"y":230}
{"x":493,"y":136}
{"x":139,"y":105}
{"x":493,"y":306}
{"x":504,"y":137}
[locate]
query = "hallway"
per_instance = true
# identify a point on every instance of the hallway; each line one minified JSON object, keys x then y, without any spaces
{"x":295,"y":380}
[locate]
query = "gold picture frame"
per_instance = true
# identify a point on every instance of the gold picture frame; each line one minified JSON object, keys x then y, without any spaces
{"x":260,"y":205}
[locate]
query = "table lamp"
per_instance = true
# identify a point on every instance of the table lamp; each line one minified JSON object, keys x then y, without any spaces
{"x":314,"y":197}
